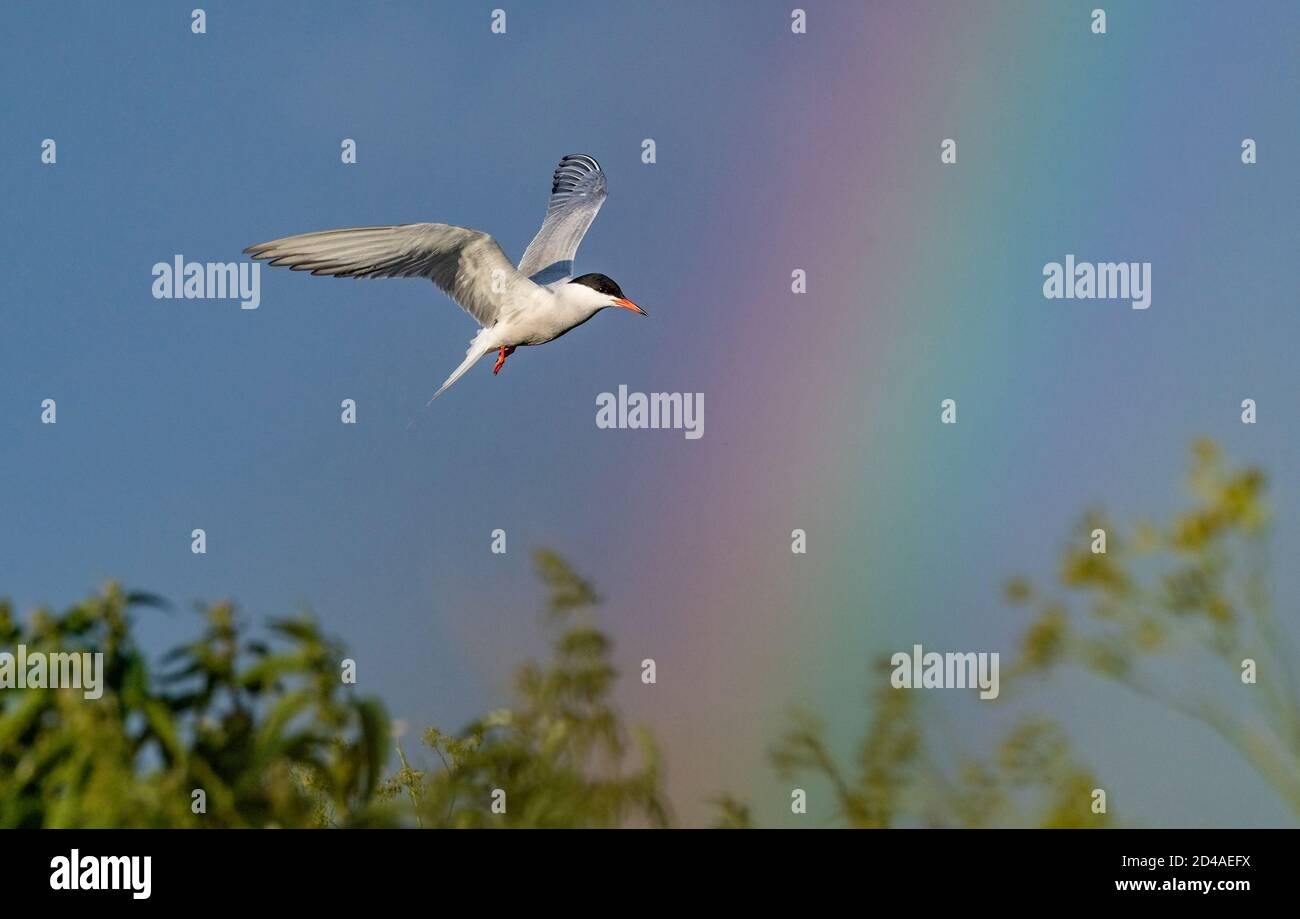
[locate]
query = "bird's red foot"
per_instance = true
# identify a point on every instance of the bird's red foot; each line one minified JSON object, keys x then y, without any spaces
{"x":501,"y":359}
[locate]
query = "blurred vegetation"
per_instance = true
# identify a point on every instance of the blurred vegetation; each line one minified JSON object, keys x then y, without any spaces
{"x":901,"y":776}
{"x":1170,"y":611}
{"x":1173,"y":611}
{"x":268,"y":734}
{"x":560,"y":754}
{"x":272,"y":735}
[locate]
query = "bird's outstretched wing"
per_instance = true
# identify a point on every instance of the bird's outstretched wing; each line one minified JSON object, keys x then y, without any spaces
{"x":577,"y":192}
{"x":466,"y":264}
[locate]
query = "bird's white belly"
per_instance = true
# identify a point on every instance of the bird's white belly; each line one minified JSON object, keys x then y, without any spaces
{"x":541,"y":333}
{"x":542,"y":323}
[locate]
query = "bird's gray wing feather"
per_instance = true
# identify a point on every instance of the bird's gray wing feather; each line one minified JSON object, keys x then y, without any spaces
{"x":466,"y":264}
{"x":577,"y":192}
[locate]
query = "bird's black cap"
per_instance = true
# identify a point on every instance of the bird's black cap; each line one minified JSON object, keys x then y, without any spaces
{"x":601,"y":284}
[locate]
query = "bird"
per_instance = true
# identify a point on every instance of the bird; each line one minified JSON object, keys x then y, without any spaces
{"x":531,"y":304}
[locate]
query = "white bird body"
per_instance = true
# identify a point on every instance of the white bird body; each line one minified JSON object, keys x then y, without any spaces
{"x":547,"y":313}
{"x":517,"y":307}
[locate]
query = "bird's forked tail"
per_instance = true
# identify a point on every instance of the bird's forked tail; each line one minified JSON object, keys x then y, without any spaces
{"x":477,"y":348}
{"x":471,"y":356}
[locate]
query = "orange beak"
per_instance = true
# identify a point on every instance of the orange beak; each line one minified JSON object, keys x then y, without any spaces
{"x":629,"y":305}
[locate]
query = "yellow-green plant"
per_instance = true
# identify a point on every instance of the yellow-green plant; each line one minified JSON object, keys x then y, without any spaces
{"x":1192,"y":590}
{"x":902,"y":776}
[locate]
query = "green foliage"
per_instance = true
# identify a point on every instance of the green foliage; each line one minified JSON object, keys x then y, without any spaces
{"x":1172,"y":611}
{"x":268,"y":734}
{"x":902,"y":777}
{"x":560,"y":754}
{"x":1192,"y":591}
{"x":273,"y":738}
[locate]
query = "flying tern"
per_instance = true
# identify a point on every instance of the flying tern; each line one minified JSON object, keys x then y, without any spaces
{"x":530,"y":305}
